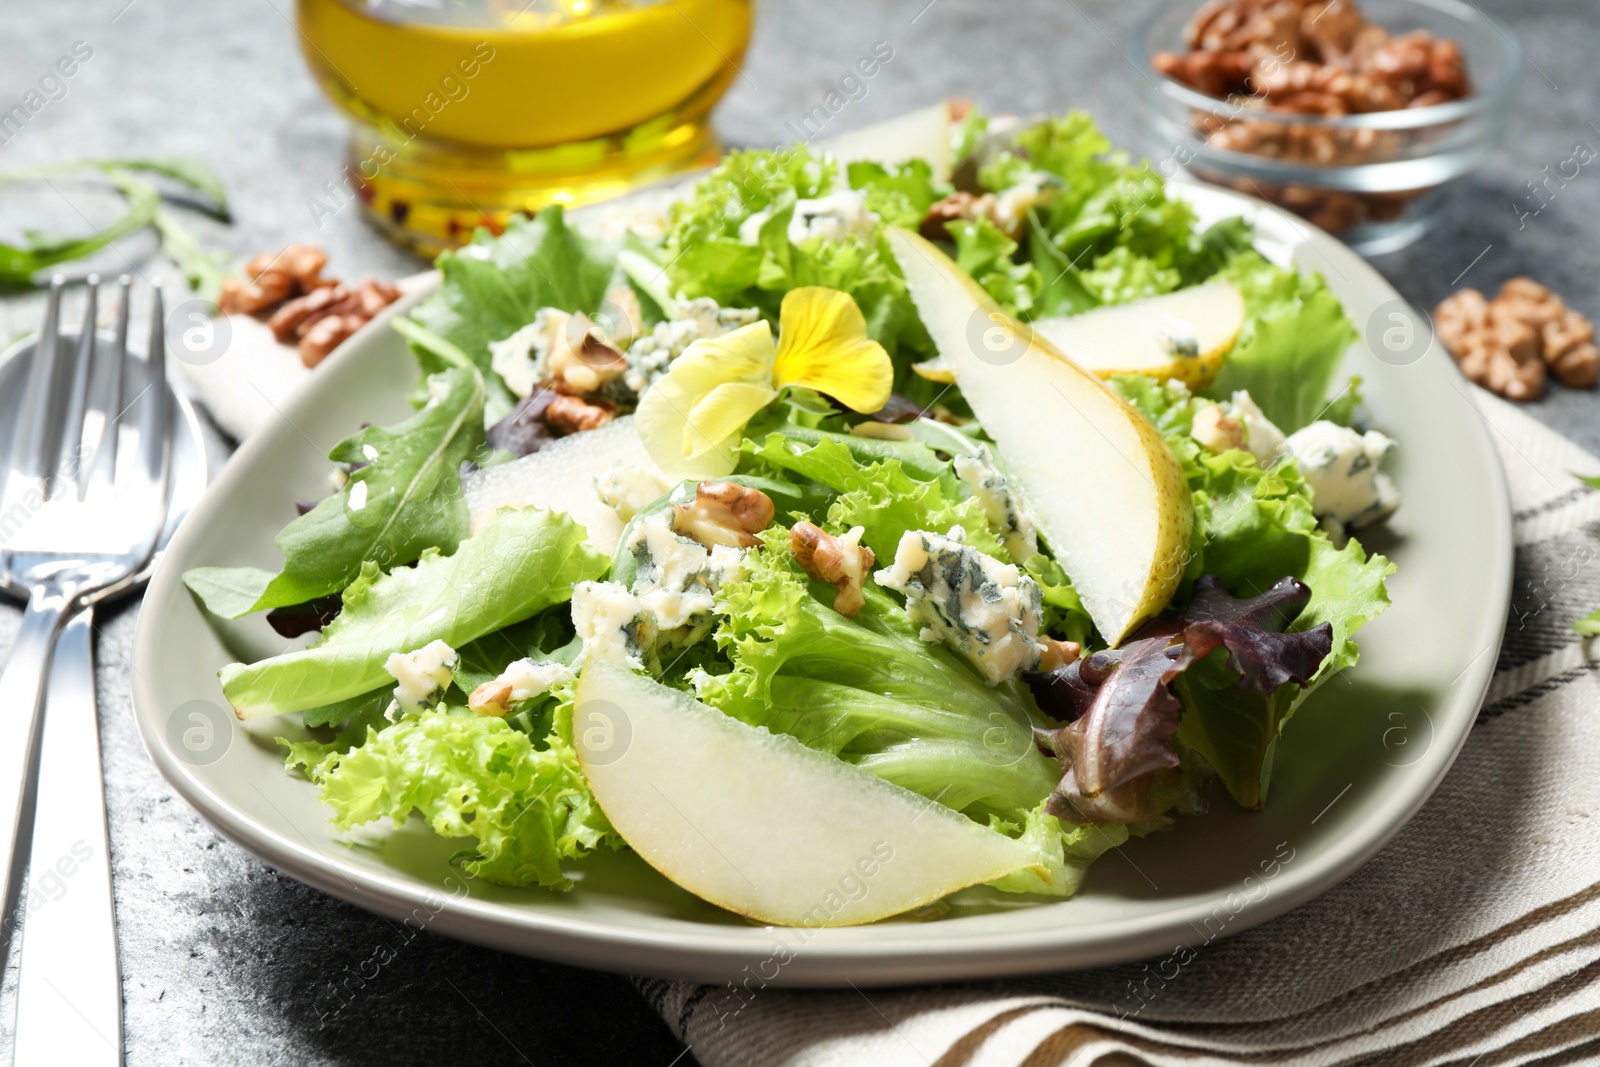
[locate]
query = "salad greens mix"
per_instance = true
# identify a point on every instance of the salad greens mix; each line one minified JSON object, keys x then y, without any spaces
{"x":826,"y":543}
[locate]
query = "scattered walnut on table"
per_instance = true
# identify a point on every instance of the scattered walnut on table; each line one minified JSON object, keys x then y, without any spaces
{"x":841,"y":561}
{"x":724,"y":513}
{"x":300,"y":304}
{"x":1509,"y":344}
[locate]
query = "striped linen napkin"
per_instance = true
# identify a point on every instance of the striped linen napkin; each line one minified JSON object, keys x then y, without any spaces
{"x":1473,"y":938}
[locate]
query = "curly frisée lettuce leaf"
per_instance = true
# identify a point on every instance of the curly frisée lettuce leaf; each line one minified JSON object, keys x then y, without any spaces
{"x":704,"y":255}
{"x":868,"y":690}
{"x":880,"y":495}
{"x":517,"y":565}
{"x":403,"y":498}
{"x":470,"y":776}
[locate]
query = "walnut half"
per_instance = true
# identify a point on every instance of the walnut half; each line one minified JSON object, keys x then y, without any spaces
{"x":1508,"y":344}
{"x":841,"y":561}
{"x":724,"y":513}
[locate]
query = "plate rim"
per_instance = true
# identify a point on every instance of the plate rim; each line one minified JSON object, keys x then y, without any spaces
{"x":681,"y":949}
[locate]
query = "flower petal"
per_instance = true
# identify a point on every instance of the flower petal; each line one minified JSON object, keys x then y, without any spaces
{"x":742,"y":355}
{"x":719,"y":417}
{"x":823,"y":345}
{"x":680,"y":446}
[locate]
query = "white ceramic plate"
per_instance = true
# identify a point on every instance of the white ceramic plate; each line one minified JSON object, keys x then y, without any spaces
{"x":1356,"y":762}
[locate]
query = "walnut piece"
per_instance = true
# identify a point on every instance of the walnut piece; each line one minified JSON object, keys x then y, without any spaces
{"x":491,"y":698}
{"x":840,"y":561}
{"x":955,"y":207}
{"x":1510,"y":344}
{"x":574,"y":414}
{"x":724,"y":513}
{"x":1058,"y":654}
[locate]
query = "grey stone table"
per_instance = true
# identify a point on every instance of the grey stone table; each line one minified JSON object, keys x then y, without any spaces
{"x":225,"y":960}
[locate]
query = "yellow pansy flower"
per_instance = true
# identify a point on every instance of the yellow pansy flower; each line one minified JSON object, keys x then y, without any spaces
{"x":692,"y":417}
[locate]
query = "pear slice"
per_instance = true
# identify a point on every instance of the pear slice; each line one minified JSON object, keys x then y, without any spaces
{"x":561,"y":476}
{"x":1104,"y":490}
{"x":758,"y":823}
{"x":1185,"y":334}
{"x":922,"y":134}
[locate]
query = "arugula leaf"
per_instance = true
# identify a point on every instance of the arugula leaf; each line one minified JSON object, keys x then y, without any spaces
{"x":517,"y":565}
{"x":405,"y":499}
{"x":203,"y":270}
{"x":496,"y":285}
{"x":20,"y":264}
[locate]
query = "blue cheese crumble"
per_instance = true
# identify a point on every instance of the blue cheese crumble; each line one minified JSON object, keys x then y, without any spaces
{"x":1011,"y":205}
{"x":834,"y":216}
{"x":612,"y":623}
{"x":521,"y":681}
{"x":667,"y":607}
{"x":649,"y":356}
{"x":986,"y":610}
{"x":521,"y":359}
{"x":1341,"y":467}
{"x":1000,"y":502}
{"x":422,"y":676}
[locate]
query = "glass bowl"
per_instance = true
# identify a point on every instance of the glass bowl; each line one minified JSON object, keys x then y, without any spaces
{"x":1379,"y":179}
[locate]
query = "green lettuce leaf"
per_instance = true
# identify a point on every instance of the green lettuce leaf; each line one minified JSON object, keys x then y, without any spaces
{"x":496,"y":285}
{"x":1122,"y":275}
{"x":881,"y":495}
{"x":404,"y":500}
{"x":517,"y":565}
{"x":470,"y":776}
{"x":870,"y":691}
{"x":705,"y":257}
{"x":1254,"y":526}
{"x":902,"y":194}
{"x":1288,"y":352}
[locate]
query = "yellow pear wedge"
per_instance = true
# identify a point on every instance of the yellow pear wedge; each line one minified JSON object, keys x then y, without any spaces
{"x":758,"y":823}
{"x":922,"y":134}
{"x":1104,"y":490}
{"x":1185,"y":334}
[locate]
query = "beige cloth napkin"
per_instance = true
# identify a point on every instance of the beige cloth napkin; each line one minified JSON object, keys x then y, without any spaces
{"x":1474,"y":938}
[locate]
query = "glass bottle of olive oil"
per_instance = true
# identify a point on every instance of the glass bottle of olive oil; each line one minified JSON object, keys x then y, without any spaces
{"x":467,"y":111}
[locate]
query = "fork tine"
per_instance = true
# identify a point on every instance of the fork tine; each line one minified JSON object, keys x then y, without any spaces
{"x":153,"y":435}
{"x":32,"y":441}
{"x":106,"y":404}
{"x":70,"y":452}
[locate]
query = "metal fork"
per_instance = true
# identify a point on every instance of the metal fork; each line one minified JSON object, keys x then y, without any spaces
{"x":74,"y":522}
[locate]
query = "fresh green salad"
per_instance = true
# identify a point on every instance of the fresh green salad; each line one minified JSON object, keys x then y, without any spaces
{"x":892,"y":526}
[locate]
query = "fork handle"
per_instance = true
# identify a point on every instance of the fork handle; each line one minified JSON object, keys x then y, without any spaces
{"x":21,"y":704}
{"x":69,"y":990}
